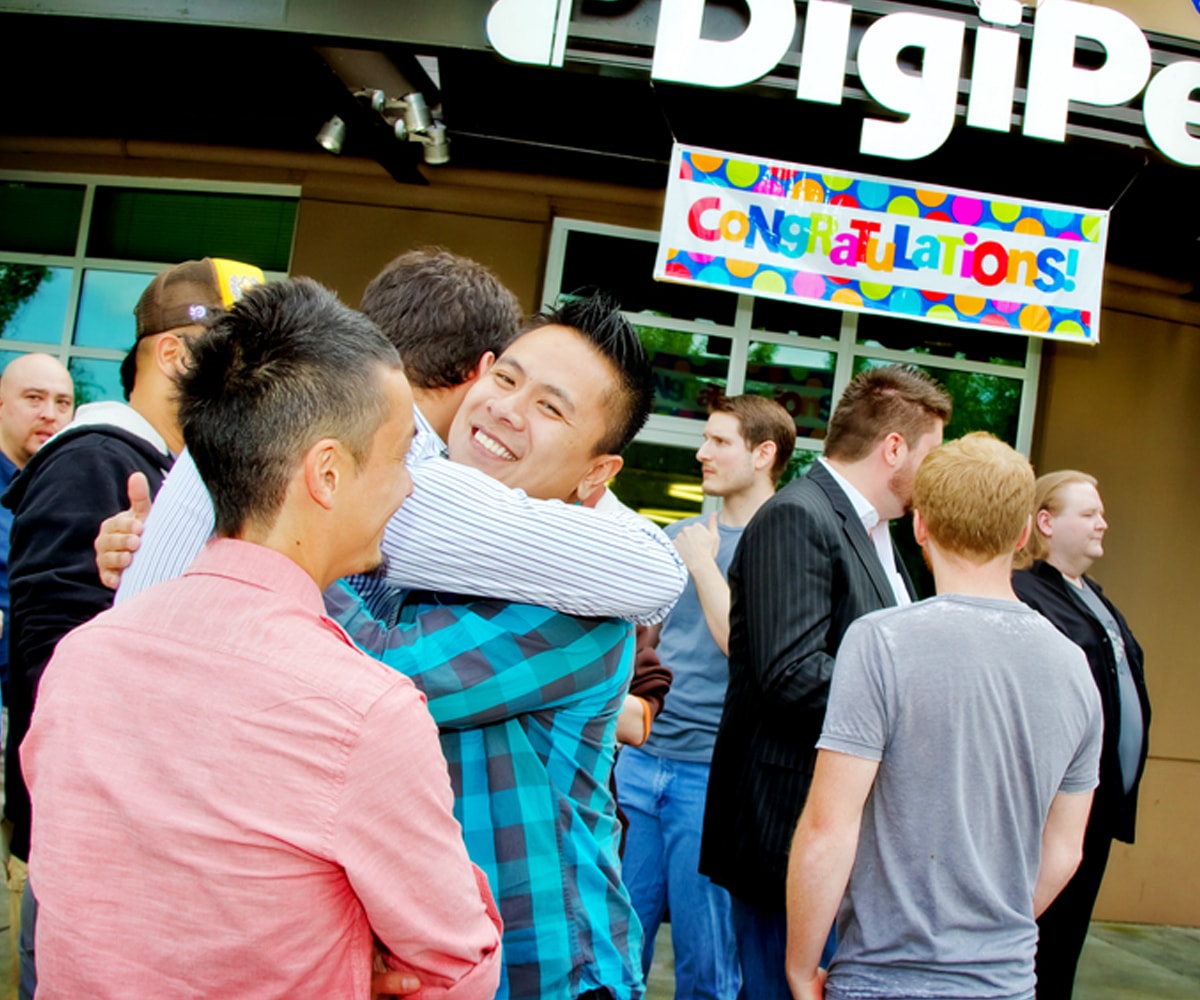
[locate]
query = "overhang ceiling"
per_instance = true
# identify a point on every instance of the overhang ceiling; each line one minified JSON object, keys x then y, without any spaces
{"x":262,"y":89}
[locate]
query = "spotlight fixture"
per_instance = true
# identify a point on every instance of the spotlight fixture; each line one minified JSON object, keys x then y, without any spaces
{"x":412,"y":120}
{"x":332,"y":135}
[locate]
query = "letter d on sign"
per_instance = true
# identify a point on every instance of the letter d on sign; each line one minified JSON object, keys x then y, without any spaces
{"x":682,"y":56}
{"x":1054,"y":78}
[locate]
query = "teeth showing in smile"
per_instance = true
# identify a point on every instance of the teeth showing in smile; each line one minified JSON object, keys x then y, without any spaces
{"x":494,"y":446}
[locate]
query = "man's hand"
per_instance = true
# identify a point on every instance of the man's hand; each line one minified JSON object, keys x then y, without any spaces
{"x":699,"y":543}
{"x":809,"y":989}
{"x":120,"y":535}
{"x":393,"y":984}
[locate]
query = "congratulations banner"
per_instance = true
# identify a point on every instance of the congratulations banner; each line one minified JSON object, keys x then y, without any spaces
{"x":870,"y":244}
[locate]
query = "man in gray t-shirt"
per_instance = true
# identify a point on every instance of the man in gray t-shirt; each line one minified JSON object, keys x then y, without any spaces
{"x":956,"y":765}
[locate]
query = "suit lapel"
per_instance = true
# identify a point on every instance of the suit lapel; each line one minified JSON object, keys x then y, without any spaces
{"x":857,"y":535}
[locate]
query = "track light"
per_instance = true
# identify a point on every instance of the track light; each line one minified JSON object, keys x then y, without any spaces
{"x":332,"y":135}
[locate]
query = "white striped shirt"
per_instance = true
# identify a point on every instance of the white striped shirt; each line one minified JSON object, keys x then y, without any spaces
{"x":463,"y":532}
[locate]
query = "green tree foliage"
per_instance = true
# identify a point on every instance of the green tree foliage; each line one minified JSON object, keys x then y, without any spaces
{"x":18,"y":284}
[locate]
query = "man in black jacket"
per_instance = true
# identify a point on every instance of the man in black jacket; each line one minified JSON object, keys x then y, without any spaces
{"x":77,"y":480}
{"x":815,"y":557}
{"x":1068,"y":536}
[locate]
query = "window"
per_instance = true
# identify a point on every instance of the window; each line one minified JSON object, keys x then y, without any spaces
{"x":704,"y":343}
{"x":77,"y":252}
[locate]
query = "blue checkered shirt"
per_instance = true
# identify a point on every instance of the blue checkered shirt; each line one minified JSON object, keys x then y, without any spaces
{"x":526,"y":700}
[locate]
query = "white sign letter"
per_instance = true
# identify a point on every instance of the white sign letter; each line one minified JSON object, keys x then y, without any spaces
{"x":1169,"y":110}
{"x":1054,"y":78}
{"x":928,"y":99}
{"x":682,"y":56}
{"x":823,"y":54}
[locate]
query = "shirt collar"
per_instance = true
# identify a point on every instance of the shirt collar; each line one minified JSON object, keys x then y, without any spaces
{"x":862,"y":506}
{"x":258,"y":566}
{"x":427,"y":442}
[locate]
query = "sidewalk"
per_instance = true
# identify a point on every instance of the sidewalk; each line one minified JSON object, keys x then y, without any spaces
{"x":1120,"y":962}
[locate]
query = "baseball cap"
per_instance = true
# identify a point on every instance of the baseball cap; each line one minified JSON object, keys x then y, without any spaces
{"x":195,"y":291}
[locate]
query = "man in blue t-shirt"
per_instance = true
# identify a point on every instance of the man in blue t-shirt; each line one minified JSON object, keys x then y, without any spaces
{"x":662,"y":784}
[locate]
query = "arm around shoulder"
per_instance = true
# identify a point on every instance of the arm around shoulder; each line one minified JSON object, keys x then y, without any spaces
{"x":600,"y":564}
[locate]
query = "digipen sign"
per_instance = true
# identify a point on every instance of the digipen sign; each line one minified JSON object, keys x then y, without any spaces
{"x":873,"y":244}
{"x":535,"y":31}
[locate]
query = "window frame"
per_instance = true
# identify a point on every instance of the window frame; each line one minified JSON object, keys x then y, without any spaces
{"x":681,"y":432}
{"x":79,"y":262}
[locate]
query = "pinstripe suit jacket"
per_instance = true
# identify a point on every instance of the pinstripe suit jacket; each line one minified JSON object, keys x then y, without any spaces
{"x":805,"y":569}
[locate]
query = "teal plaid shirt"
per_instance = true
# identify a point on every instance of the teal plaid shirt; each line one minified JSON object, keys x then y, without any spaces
{"x":526,"y":700}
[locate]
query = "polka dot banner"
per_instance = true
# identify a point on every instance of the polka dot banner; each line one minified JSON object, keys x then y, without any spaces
{"x":875,"y":244}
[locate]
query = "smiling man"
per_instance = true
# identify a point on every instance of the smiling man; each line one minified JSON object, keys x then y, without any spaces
{"x":527,"y":698}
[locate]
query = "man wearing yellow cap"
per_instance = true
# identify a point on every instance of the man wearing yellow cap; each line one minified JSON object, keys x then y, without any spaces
{"x":74,"y":482}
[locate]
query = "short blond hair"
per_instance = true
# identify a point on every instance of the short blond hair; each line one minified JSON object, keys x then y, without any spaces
{"x":975,"y":496}
{"x":1048,"y":495}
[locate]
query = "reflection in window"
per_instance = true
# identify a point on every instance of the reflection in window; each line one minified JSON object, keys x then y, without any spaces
{"x":928,"y":338}
{"x":800,"y":380}
{"x":794,"y":318}
{"x":625,"y":268}
{"x":690,"y":370}
{"x":982,"y":402}
{"x":660,"y":482}
{"x":33,"y":302}
{"x":40,"y":218}
{"x":95,"y":379}
{"x":106,"y":305}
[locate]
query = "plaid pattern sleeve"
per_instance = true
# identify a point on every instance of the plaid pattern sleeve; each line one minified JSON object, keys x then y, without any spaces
{"x":526,"y":700}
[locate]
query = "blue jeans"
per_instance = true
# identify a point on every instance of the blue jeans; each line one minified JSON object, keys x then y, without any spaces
{"x":28,"y":977}
{"x":664,"y":801}
{"x":762,"y":948}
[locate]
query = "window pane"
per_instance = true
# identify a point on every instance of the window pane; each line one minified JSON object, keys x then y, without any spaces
{"x":690,"y":370}
{"x":801,"y":461}
{"x":172,"y":226}
{"x":981,"y":402}
{"x":929,"y":338}
{"x":660,"y":482}
{"x":40,"y":218}
{"x":33,"y":302}
{"x":105,"y":317}
{"x":798,"y":379}
{"x":790,"y":317}
{"x":625,"y":268}
{"x":96,"y":379}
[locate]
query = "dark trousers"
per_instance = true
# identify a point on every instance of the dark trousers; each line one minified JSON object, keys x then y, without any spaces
{"x":1063,"y":928}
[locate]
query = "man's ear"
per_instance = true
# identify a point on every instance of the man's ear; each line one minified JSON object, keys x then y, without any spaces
{"x":323,"y":467}
{"x":1042,"y":519}
{"x":1025,"y":533}
{"x":171,"y":352}
{"x":485,"y":362}
{"x":920,"y":528}
{"x":603,"y":468}
{"x":893,"y":448}
{"x":764,"y":455}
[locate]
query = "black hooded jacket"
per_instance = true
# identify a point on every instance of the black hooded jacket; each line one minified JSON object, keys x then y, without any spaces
{"x":69,"y":487}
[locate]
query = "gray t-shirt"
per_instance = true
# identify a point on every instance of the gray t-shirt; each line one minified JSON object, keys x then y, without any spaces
{"x":979,"y":712}
{"x":1129,"y":739}
{"x":686,"y":728}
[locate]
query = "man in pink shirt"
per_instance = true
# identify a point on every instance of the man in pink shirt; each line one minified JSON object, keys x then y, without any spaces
{"x":230,"y":800}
